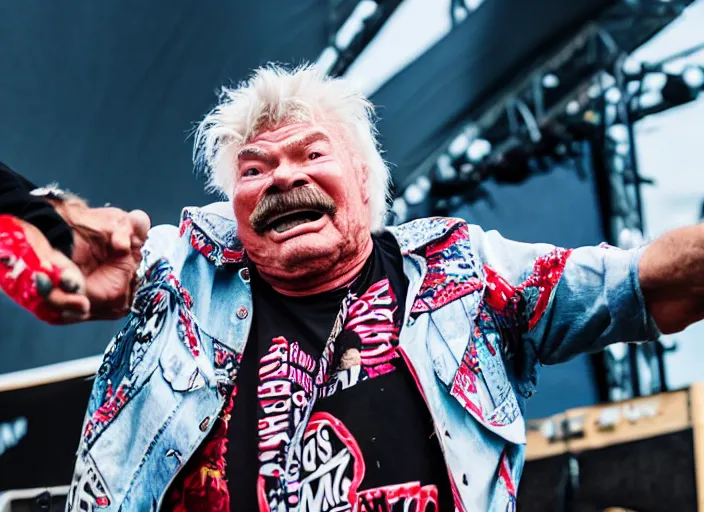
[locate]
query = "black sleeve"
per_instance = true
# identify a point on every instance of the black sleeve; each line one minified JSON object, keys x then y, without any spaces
{"x":16,"y":200}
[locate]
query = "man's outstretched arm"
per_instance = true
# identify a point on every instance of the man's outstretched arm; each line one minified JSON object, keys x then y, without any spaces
{"x":671,"y":275}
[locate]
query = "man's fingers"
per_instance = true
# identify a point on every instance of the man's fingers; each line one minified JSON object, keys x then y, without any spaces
{"x":71,"y":279}
{"x":130,"y":232}
{"x":140,"y":227}
{"x":71,"y":306}
{"x":121,"y":236}
{"x":66,"y":295}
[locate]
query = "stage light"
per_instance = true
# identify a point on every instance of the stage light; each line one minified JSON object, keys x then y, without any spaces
{"x":366,"y":8}
{"x":632,"y":66}
{"x":550,"y":81}
{"x":594,"y":91}
{"x":444,"y":170}
{"x":472,"y":4}
{"x":591,"y":117}
{"x":400,"y":209}
{"x":606,"y":80}
{"x":573,"y":108}
{"x":424,"y":183}
{"x":618,"y":133}
{"x":456,"y":201}
{"x":613,"y":95}
{"x":459,"y":14}
{"x":654,"y":81}
{"x":459,"y":145}
{"x":633,"y":87}
{"x":467,"y":169}
{"x":623,"y":148}
{"x":650,"y":99}
{"x":478,"y":150}
{"x":414,"y":195}
{"x":693,"y":76}
{"x":444,"y":160}
{"x":610,"y":114}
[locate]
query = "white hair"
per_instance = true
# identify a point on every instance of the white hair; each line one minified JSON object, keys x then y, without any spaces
{"x":274,"y":95}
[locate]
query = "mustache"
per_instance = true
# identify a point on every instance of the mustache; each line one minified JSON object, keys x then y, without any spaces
{"x":275,"y":204}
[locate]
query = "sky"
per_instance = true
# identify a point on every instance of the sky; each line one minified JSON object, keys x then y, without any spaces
{"x":668,"y":145}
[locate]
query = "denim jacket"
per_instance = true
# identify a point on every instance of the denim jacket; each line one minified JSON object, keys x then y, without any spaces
{"x":482,"y":315}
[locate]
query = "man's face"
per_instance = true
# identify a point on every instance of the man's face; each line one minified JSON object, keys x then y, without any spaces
{"x":300,"y":199}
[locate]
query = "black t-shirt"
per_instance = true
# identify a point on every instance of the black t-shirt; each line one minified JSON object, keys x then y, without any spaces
{"x":368,"y":437}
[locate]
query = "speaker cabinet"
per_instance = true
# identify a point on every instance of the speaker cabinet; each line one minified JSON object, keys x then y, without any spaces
{"x":641,"y":455}
{"x":47,"y":499}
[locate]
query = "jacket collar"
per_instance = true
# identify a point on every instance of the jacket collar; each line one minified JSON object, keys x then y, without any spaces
{"x":212,"y":231}
{"x":417,"y":234}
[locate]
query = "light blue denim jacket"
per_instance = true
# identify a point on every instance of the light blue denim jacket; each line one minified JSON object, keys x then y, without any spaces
{"x":482,"y":314}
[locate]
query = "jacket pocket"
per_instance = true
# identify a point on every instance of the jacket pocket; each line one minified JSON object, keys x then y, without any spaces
{"x":129,"y":362}
{"x":184,"y":362}
{"x":160,"y":317}
{"x":467,"y":359}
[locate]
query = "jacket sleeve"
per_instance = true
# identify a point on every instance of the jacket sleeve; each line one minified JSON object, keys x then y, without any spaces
{"x":16,"y":200}
{"x":572,"y":301}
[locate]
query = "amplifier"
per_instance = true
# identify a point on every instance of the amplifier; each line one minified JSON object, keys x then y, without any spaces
{"x":639,"y":455}
{"x":46,"y":499}
{"x":41,"y":414}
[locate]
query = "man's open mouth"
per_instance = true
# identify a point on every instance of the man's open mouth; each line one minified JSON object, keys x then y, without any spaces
{"x":289,"y":220}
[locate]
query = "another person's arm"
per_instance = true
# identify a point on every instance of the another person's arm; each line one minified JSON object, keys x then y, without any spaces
{"x":16,"y":199}
{"x":38,"y":233}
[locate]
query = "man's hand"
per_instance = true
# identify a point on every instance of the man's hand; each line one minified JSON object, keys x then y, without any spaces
{"x":107,"y":250}
{"x":38,"y":277}
{"x":671,"y":274}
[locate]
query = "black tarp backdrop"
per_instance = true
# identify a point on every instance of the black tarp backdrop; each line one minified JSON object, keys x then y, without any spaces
{"x":101,"y":96}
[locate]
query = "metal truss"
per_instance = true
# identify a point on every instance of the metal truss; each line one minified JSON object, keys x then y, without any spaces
{"x":349,"y":38}
{"x":544,"y":108}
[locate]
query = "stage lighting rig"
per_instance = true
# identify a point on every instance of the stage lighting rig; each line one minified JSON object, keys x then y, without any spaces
{"x":671,"y":90}
{"x":570,"y":96}
{"x":349,"y":40}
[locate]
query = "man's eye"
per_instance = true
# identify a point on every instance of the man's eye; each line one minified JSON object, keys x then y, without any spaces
{"x":314,"y":155}
{"x":251,"y":172}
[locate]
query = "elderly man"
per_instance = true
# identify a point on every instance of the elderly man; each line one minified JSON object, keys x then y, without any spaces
{"x":287,"y":352}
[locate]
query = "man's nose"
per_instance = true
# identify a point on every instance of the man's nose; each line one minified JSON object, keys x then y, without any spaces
{"x":287,"y":177}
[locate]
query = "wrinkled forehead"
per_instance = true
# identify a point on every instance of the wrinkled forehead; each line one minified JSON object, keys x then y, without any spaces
{"x":290,"y":134}
{"x":285,"y":133}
